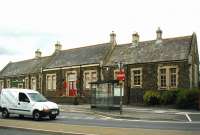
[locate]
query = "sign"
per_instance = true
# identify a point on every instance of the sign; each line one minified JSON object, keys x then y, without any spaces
{"x":117,"y":91}
{"x":121,"y":75}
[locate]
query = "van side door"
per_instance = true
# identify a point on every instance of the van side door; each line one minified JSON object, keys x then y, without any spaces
{"x":24,"y":105}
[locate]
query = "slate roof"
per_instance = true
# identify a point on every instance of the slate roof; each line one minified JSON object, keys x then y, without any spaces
{"x":24,"y":67}
{"x":170,"y":49}
{"x":79,"y":56}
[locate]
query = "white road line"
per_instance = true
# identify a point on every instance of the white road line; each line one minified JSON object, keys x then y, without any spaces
{"x":188,"y":117}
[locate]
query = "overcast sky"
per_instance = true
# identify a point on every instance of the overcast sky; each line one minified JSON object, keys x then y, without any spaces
{"x":28,"y":25}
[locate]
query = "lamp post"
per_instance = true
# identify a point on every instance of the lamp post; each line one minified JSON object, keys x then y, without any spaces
{"x":120,"y":65}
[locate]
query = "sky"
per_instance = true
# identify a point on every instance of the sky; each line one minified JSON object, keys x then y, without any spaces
{"x":28,"y":25}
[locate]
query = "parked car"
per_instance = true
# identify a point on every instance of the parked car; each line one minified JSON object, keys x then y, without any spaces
{"x":26,"y":102}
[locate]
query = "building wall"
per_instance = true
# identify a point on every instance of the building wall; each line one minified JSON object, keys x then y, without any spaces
{"x":149,"y":78}
{"x":61,"y":77}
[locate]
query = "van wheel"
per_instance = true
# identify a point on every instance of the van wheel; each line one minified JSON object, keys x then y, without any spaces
{"x":5,"y":113}
{"x":36,"y":115}
{"x":52,"y":117}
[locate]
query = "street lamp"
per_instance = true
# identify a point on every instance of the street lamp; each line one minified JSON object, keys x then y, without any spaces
{"x":120,"y":65}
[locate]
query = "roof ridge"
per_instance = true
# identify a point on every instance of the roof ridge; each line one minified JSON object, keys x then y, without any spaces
{"x":85,"y":46}
{"x":170,"y":38}
{"x":30,"y":59}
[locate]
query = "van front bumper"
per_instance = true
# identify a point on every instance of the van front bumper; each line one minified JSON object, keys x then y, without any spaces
{"x":49,"y":112}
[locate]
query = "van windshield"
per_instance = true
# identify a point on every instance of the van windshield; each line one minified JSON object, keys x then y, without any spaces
{"x":37,"y":97}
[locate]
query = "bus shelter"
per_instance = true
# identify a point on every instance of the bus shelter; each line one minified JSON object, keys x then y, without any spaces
{"x":105,"y":94}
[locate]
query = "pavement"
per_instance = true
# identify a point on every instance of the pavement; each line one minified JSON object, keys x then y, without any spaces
{"x":139,"y":113}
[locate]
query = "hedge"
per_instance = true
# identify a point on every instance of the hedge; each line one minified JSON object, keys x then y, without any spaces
{"x":152,"y":97}
{"x":188,"y":99}
{"x":182,"y":98}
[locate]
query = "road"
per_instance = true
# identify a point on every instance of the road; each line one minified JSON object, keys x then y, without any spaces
{"x":78,"y":119}
{"x":102,"y":121}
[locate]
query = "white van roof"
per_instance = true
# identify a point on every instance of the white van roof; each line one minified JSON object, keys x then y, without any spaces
{"x":21,"y":90}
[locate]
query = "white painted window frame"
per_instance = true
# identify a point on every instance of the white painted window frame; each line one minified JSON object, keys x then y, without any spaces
{"x":90,"y":77}
{"x":168,"y":79}
{"x":132,"y":78}
{"x":33,"y":85}
{"x":1,"y":84}
{"x":26,"y":82}
{"x":8,"y":83}
{"x":51,"y":82}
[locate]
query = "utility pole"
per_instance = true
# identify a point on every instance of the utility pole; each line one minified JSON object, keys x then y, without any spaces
{"x":121,"y":83}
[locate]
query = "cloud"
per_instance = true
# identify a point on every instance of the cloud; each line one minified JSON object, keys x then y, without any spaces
{"x":5,"y":51}
{"x":18,"y":33}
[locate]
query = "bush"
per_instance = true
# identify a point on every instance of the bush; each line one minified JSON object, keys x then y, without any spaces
{"x":187,"y":99}
{"x":152,"y":97}
{"x":168,"y":97}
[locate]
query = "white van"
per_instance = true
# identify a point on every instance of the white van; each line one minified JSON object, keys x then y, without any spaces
{"x":26,"y":102}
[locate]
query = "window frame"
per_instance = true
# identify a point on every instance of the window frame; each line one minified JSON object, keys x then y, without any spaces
{"x":168,"y":77}
{"x":1,"y":84}
{"x":90,"y":73}
{"x":26,"y":82}
{"x":132,"y":77}
{"x":34,"y":78}
{"x":8,"y":83}
{"x":51,"y":88}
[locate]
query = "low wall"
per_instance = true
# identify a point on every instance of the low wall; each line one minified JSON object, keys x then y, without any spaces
{"x":70,"y":100}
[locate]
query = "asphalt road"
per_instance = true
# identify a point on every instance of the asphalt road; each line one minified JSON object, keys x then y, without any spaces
{"x":77,"y":119}
{"x":97,"y":120}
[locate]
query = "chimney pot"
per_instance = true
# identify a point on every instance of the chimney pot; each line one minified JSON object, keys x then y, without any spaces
{"x":159,"y":34}
{"x":38,"y":53}
{"x":135,"y":38}
{"x":58,"y":46}
{"x":113,"y":37}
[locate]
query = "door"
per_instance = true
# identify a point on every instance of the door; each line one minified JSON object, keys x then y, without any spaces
{"x":24,"y":105}
{"x":71,"y":87}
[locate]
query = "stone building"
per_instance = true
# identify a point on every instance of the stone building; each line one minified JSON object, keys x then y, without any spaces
{"x":160,"y":64}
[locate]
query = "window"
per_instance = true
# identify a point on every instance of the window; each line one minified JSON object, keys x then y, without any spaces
{"x":40,"y":82}
{"x":54,"y":82}
{"x":23,"y":98}
{"x":8,"y":83}
{"x":1,"y":84}
{"x":26,"y":83}
{"x":136,"y":77}
{"x":163,"y":79}
{"x":173,"y":77}
{"x":33,"y":83}
{"x":168,"y":77}
{"x":89,"y":76}
{"x":51,"y":81}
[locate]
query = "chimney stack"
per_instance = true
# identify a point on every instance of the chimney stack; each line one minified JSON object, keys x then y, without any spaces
{"x":135,"y":39}
{"x":58,"y":46}
{"x":113,"y":37}
{"x":38,"y":53}
{"x":158,"y":35}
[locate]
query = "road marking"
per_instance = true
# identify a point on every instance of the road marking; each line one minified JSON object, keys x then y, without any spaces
{"x":104,"y":117}
{"x":188,"y":117}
